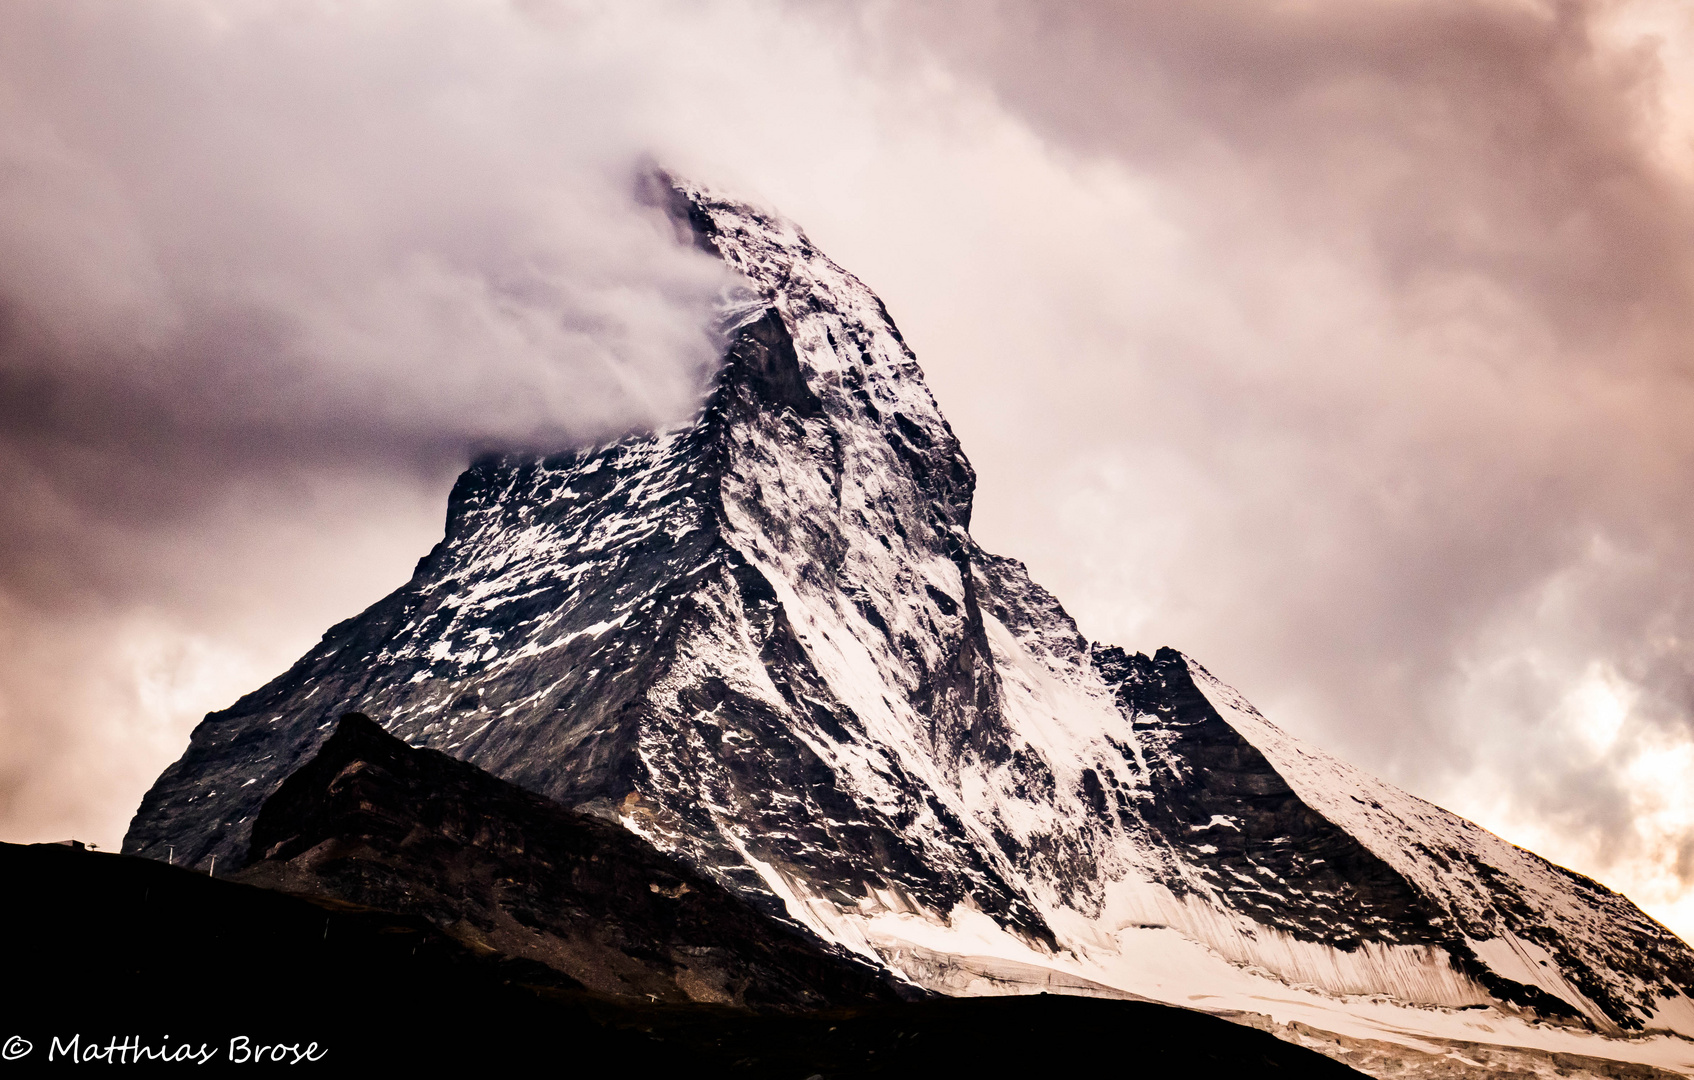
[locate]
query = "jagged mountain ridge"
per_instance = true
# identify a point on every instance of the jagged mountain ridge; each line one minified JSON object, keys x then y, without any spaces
{"x":766,"y":641}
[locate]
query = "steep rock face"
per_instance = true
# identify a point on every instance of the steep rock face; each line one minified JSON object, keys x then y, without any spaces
{"x":766,"y":642}
{"x":1532,"y":933}
{"x":1249,"y":834}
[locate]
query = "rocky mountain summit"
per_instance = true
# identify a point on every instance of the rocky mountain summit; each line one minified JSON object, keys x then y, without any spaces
{"x":765,"y":642}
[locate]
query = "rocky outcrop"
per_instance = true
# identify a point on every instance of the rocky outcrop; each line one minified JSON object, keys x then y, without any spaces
{"x":374,"y":822}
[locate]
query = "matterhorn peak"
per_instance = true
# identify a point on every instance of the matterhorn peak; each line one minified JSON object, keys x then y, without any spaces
{"x":766,"y":642}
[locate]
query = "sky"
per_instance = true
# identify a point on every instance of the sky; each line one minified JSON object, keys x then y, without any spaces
{"x":1341,"y":344}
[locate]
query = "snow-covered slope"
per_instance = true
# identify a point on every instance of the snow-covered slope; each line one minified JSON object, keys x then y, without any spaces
{"x":766,"y":641}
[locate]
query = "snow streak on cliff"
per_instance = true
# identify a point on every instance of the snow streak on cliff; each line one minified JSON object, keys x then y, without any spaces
{"x":766,"y":642}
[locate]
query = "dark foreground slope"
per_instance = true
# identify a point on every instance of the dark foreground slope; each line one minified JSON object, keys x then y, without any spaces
{"x":373,"y":821}
{"x":112,"y":950}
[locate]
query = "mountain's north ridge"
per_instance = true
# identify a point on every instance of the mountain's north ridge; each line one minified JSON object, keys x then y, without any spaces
{"x":766,"y":642}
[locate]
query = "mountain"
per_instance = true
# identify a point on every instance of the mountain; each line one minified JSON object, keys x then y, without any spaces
{"x":765,"y":642}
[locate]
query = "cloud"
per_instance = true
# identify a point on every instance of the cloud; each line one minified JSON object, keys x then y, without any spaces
{"x":1339,"y":344}
{"x":267,"y":271}
{"x":1395,"y":434}
{"x":328,"y":230}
